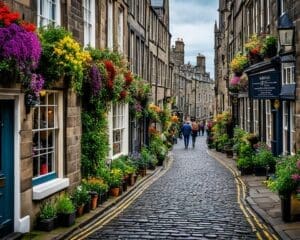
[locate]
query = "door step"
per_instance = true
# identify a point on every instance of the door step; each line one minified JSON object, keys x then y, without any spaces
{"x":13,"y":236}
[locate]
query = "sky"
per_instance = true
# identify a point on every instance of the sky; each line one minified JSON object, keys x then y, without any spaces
{"x":193,"y":20}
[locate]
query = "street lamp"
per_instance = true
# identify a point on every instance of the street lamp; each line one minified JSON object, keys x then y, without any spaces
{"x":286,"y":32}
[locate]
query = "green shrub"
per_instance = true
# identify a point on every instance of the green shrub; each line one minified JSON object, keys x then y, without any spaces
{"x":47,"y":210}
{"x":64,"y":205}
{"x":80,"y":196}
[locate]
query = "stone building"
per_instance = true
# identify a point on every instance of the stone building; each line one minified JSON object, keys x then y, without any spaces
{"x":137,"y":29}
{"x":272,"y":115}
{"x":192,"y":86}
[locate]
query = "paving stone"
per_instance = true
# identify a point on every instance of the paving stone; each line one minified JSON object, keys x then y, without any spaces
{"x":195,"y":199}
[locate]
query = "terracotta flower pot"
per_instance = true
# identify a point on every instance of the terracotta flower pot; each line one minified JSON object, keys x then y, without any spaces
{"x":80,"y":210}
{"x":94,"y":199}
{"x":115,"y":191}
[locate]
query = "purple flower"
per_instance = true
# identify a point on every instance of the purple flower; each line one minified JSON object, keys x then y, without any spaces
{"x":20,"y":46}
{"x":95,"y":80}
{"x":36,"y":83}
{"x":235,"y":80}
{"x":138,"y":107}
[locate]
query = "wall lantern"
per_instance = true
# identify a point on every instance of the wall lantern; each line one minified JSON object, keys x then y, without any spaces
{"x":286,"y":31}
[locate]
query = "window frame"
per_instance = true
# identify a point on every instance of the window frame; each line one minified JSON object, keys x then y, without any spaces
{"x":285,"y":76}
{"x":57,"y":170}
{"x":89,"y":22}
{"x":57,"y":19}
{"x":269,"y":122}
{"x":110,"y":29}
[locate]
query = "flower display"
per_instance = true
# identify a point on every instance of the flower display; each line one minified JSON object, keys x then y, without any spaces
{"x":7,"y":17}
{"x":128,"y":78}
{"x":174,"y":119}
{"x":238,"y":63}
{"x":111,"y":73}
{"x":254,"y":45}
{"x":235,"y":80}
{"x":36,"y":84}
{"x":95,"y":80}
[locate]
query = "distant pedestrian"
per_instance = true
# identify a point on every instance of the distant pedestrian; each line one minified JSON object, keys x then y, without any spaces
{"x":202,"y":127}
{"x":186,"y":132}
{"x":195,"y":129}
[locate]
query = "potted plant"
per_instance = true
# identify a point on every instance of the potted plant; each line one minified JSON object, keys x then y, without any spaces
{"x":238,"y":64}
{"x":286,"y":183}
{"x":65,"y":211}
{"x":245,"y":159}
{"x":80,"y":198}
{"x":263,"y":160}
{"x":47,"y":217}
{"x":115,"y":181}
{"x":269,"y":46}
{"x":254,"y":47}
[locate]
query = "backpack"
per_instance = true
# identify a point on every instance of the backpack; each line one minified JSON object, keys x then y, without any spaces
{"x":194,"y":126}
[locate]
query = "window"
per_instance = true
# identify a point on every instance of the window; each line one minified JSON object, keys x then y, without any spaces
{"x":256,"y":16}
{"x":120,"y":31}
{"x":48,"y":12}
{"x":285,"y":119}
{"x":268,"y":123}
{"x":292,"y":129}
{"x":119,"y":129}
{"x":46,"y":137}
{"x":282,"y":7}
{"x":262,"y":15}
{"x":110,"y":25}
{"x":89,"y":22}
{"x":288,"y":76}
{"x":268,"y":12}
{"x":255,"y":117}
{"x":248,"y":115}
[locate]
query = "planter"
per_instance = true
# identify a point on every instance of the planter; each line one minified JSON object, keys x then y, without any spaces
{"x":94,"y":199}
{"x":229,"y":152}
{"x":115,"y":191}
{"x":80,"y":210}
{"x":87,"y":207}
{"x":143,"y":172}
{"x":260,"y":171}
{"x":290,"y":208}
{"x":46,"y":225}
{"x":246,"y":171}
{"x":103,"y":197}
{"x":66,"y":219}
{"x":124,"y":186}
{"x":130,"y":180}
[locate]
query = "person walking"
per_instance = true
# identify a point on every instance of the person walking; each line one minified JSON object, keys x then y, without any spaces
{"x":195,"y":130}
{"x":186,"y":132}
{"x":202,"y":127}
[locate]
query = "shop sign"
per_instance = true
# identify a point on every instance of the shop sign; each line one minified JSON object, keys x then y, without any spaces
{"x":265,"y":85}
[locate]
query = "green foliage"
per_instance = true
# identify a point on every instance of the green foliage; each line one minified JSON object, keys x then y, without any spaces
{"x":64,"y":205}
{"x":285,"y":169}
{"x":244,"y":162}
{"x":116,"y":177}
{"x":47,"y":210}
{"x":269,"y":45}
{"x":246,"y":154}
{"x":264,"y":158}
{"x":106,"y":54}
{"x":158,"y":148}
{"x":80,"y":196}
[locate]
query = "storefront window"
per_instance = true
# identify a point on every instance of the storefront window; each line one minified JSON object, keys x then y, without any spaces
{"x":268,"y":123}
{"x":45,"y":135}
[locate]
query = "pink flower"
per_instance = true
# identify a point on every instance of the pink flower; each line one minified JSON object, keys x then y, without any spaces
{"x":295,"y":177}
{"x":235,"y":80}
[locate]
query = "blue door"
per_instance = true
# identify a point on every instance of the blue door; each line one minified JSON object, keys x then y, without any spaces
{"x":6,"y":166}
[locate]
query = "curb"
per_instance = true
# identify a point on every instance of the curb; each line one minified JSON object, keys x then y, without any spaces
{"x":248,"y":200}
{"x":118,"y":201}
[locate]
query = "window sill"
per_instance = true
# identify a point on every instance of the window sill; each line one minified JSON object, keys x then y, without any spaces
{"x":46,"y":189}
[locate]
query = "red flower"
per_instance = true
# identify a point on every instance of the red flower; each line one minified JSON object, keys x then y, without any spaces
{"x":255,"y":51}
{"x":7,"y":17}
{"x":128,"y":78}
{"x":110,"y":84}
{"x":110,"y":69}
{"x":29,"y":27}
{"x":123,"y":94}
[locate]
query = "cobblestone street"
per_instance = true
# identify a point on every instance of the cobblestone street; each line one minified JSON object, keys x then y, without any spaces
{"x":195,"y":199}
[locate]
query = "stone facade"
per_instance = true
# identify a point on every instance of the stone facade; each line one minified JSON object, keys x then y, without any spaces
{"x":238,"y":20}
{"x":193,"y":88}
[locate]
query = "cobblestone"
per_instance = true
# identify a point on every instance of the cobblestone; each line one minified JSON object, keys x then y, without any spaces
{"x":195,"y":199}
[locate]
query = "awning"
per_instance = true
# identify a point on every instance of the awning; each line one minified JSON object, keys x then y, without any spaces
{"x":288,"y":92}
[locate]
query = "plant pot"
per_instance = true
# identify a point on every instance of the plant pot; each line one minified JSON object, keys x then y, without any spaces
{"x":124,"y":186}
{"x":285,"y":201}
{"x":246,"y":171}
{"x":143,"y":172}
{"x":46,"y":225}
{"x":115,"y":191}
{"x":80,"y":210}
{"x":260,"y":171}
{"x":94,"y":199}
{"x":87,"y":207}
{"x":66,"y":219}
{"x":130,"y":180}
{"x":229,"y":153}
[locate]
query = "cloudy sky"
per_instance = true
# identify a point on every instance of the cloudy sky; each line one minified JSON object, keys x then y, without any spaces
{"x":193,"y":20}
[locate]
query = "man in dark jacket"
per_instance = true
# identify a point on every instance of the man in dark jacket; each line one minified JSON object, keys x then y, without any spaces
{"x":186,"y":131}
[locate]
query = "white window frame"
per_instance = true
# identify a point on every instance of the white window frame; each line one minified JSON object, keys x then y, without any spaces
{"x":121,"y":30}
{"x":262,"y":8}
{"x":288,"y":73}
{"x":292,"y":129}
{"x":248,"y":120}
{"x":256,"y":16}
{"x":118,"y":121}
{"x":282,"y":6}
{"x":268,"y":12}
{"x":43,"y":15}
{"x":268,"y":123}
{"x":89,"y":22}
{"x":110,"y":40}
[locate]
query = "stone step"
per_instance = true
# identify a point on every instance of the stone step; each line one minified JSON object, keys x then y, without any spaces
{"x":13,"y":236}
